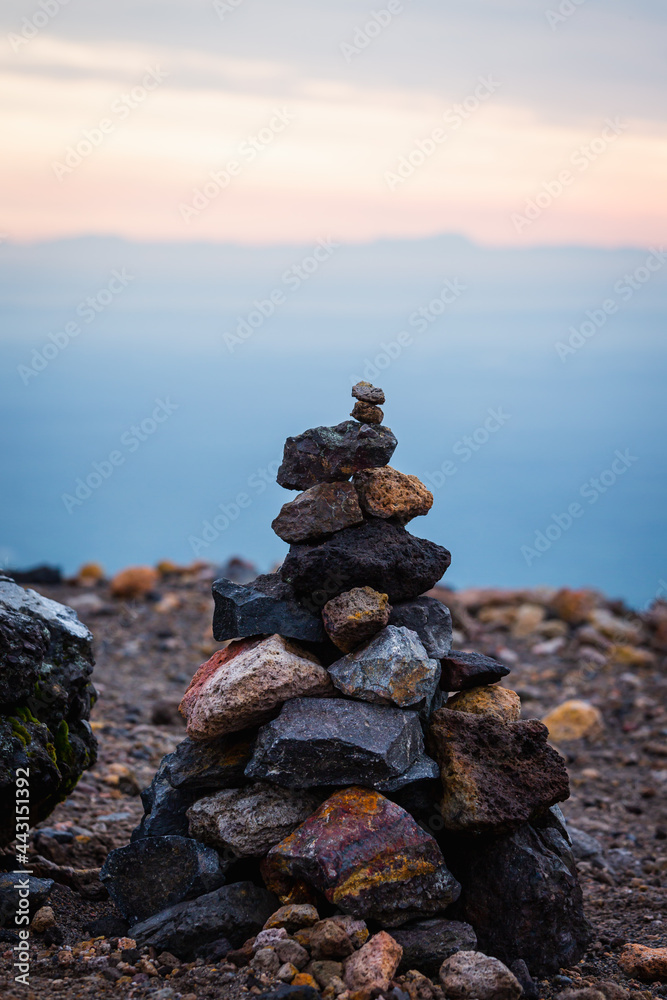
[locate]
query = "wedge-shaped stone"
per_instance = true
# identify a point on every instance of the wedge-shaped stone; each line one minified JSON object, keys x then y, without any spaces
{"x":249,"y":821}
{"x":328,"y":742}
{"x":266,"y":606}
{"x":321,"y":510}
{"x":495,"y":775}
{"x":331,"y":454}
{"x":465,"y":670}
{"x":368,"y":856}
{"x":386,"y":492}
{"x":235,"y":912}
{"x":244,"y":684}
{"x":392,"y":668}
{"x":430,"y":619}
{"x":521,"y":893}
{"x":377,"y":554}
{"x":355,"y":616}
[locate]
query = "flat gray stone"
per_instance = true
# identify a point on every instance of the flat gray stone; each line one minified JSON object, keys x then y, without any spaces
{"x":330,"y":742}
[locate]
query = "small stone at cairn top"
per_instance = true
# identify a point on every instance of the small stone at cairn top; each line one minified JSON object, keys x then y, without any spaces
{"x":366,"y":413}
{"x":367,"y":393}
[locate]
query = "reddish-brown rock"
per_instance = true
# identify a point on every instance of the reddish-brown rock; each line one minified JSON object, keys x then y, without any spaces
{"x":366,"y":413}
{"x":321,"y":510}
{"x":135,"y":581}
{"x":245,"y":683}
{"x":368,"y":856}
{"x":385,"y":493}
{"x":647,"y":964}
{"x":496,"y":775}
{"x":367,"y":393}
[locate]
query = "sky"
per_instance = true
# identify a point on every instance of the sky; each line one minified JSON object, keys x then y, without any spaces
{"x":511,"y":122}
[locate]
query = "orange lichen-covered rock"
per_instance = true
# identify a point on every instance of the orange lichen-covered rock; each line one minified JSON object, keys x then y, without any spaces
{"x":135,"y":581}
{"x":573,"y":606}
{"x":647,"y":964}
{"x":386,"y":492}
{"x":355,"y":616}
{"x":368,"y":856}
{"x":496,"y":775}
{"x":488,"y":700}
{"x":245,"y":683}
{"x":573,"y":720}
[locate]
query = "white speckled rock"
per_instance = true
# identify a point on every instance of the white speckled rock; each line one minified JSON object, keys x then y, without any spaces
{"x":470,"y":975}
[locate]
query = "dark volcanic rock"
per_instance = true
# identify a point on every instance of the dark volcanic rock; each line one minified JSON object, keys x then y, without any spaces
{"x":430,"y":619}
{"x":522,"y":895}
{"x":329,"y":454}
{"x":327,"y":741}
{"x":149,"y":875}
{"x":367,"y":393}
{"x":465,"y":670}
{"x":265,"y":607}
{"x":46,"y":696}
{"x":321,"y":510}
{"x":427,"y":943}
{"x":190,"y":772}
{"x":368,"y":857}
{"x":235,"y":912}
{"x":38,"y":894}
{"x":377,"y":554}
{"x":355,"y":616}
{"x":495,"y":775}
{"x":392,"y":668}
{"x":291,"y":993}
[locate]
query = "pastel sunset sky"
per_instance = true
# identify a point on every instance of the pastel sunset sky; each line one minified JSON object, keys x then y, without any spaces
{"x":335,"y":117}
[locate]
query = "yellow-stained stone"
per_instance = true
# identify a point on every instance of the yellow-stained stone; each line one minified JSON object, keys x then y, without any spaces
{"x":488,"y":700}
{"x":305,"y":979}
{"x":573,"y":720}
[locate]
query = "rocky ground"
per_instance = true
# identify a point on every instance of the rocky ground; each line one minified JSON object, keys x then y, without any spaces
{"x":559,"y":647}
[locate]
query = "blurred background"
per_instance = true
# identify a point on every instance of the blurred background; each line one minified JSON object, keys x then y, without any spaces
{"x":217,"y":216}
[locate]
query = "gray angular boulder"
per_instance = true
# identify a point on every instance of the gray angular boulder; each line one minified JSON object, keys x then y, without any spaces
{"x":236,"y":912}
{"x":330,"y":454}
{"x":263,"y":607}
{"x":46,"y":663}
{"x":324,"y":742}
{"x":149,"y":875}
{"x":392,"y":668}
{"x":247,"y":822}
{"x":430,"y":619}
{"x":321,"y":510}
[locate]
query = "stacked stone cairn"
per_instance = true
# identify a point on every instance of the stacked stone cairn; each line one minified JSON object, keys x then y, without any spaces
{"x":345,"y":764}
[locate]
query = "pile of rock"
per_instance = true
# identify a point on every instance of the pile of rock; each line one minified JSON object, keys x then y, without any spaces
{"x":341,"y":755}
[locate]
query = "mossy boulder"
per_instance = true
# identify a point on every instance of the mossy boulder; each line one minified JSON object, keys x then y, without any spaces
{"x":46,"y":694}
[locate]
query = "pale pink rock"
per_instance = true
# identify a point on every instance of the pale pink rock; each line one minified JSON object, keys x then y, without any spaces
{"x":245,"y":683}
{"x":372,"y":968}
